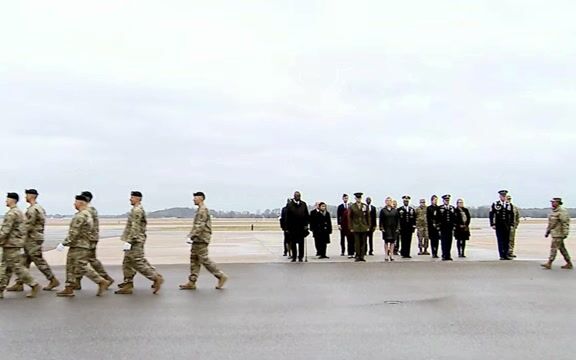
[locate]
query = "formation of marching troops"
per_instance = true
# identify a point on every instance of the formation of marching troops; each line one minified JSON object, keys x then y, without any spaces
{"x":436,"y":227}
{"x":22,"y":235}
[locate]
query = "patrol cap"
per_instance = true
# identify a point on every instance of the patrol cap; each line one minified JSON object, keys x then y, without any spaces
{"x":136,"y":193}
{"x":31,"y":191}
{"x":13,"y":195}
{"x":82,"y":198}
{"x":358,"y":194}
{"x":446,"y":197}
{"x":406,"y":197}
{"x":87,"y":194}
{"x":557,"y":199}
{"x":200,"y":193}
{"x":503,"y":192}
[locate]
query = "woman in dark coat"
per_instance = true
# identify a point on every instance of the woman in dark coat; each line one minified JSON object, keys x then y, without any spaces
{"x":462,"y":231}
{"x":389,"y":225}
{"x":321,"y":227}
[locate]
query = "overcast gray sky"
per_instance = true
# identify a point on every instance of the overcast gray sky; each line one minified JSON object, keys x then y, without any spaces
{"x":250,"y":100}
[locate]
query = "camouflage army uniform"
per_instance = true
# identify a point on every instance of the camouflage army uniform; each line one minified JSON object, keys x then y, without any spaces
{"x":558,"y":228}
{"x":35,"y":221}
{"x":135,"y":234}
{"x":12,"y":234}
{"x":200,"y":235}
{"x":422,"y":229}
{"x":95,"y":236}
{"x":78,"y":241}
{"x":513,"y":230}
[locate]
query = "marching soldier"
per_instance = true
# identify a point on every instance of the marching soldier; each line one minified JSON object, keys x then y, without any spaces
{"x":359,"y":226}
{"x":502,"y":220}
{"x":407,"y":216}
{"x":78,"y":241}
{"x":12,"y":235}
{"x":514,"y":227}
{"x":433,"y":234}
{"x":200,"y":236}
{"x":134,"y":237}
{"x":93,"y":260}
{"x":422,"y":228}
{"x":559,"y":228}
{"x":446,"y":222}
{"x":34,"y":238}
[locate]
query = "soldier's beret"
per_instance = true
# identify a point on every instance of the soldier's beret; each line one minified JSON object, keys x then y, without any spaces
{"x":503,"y":192}
{"x":557,"y":199}
{"x":31,"y":191}
{"x":406,"y":197}
{"x":446,"y":197}
{"x":200,"y":193}
{"x":358,"y":194}
{"x":88,"y":194}
{"x":82,"y":198}
{"x":136,"y":193}
{"x":12,"y":195}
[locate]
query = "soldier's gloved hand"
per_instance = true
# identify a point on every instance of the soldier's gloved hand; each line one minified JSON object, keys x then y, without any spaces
{"x":546,"y":235}
{"x":127,"y":247}
{"x":60,"y":247}
{"x":189,"y":241}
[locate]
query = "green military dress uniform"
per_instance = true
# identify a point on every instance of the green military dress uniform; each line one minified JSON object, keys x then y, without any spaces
{"x":359,"y":226}
{"x":12,"y":236}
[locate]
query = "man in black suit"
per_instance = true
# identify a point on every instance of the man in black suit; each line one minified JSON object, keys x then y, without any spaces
{"x":287,"y":250}
{"x":407,"y":215}
{"x":372,"y":210}
{"x":433,"y":233}
{"x":346,"y":238}
{"x":297,"y":225}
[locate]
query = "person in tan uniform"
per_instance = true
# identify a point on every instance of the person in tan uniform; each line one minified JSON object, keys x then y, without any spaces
{"x":513,"y":228}
{"x":134,"y":238}
{"x":199,"y":237}
{"x":559,"y":229}
{"x":422,"y":228}
{"x":12,"y":234}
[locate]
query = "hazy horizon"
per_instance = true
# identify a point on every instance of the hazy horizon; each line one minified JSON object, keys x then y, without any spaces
{"x":249,"y":102}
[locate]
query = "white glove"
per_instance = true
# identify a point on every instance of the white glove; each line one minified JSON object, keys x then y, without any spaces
{"x":189,"y":241}
{"x":127,"y":247}
{"x":60,"y":247}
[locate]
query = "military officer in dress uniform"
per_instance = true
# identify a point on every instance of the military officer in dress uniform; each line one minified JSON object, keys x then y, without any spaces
{"x":407,"y":216}
{"x":446,"y":222}
{"x":502,"y":220}
{"x":359,"y":226}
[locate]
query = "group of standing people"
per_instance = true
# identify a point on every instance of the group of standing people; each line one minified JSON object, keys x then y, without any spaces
{"x":22,"y":236}
{"x":436,"y":227}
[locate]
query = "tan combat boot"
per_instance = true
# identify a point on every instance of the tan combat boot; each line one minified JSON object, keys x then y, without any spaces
{"x":221,"y":281}
{"x":110,"y":281}
{"x":102,"y":287}
{"x":34,"y":292}
{"x":17,"y":287}
{"x":78,"y":286}
{"x":157,"y":284}
{"x":188,"y":286}
{"x":126,"y":289}
{"x":54,"y":283}
{"x":67,"y":292}
{"x":547,"y":265}
{"x":2,"y":294}
{"x":568,"y":266}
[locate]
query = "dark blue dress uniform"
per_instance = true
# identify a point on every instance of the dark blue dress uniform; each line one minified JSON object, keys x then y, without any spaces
{"x":407,"y":221}
{"x":502,"y":217}
{"x":446,"y":222}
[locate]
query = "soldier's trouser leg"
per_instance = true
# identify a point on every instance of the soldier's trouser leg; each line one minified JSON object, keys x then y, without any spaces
{"x":512,"y":241}
{"x":137,"y":262}
{"x":406,"y":242}
{"x":199,"y":256}
{"x":558,"y":244}
{"x":81,"y":267}
{"x":97,"y":265}
{"x":422,"y":238}
{"x":34,"y":255}
{"x":360,"y":244}
{"x":503,"y":237}
{"x":12,"y":262}
{"x":446,"y":242}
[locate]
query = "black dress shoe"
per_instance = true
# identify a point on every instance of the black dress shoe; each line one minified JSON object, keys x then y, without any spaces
{"x":299,"y":260}
{"x":407,"y":257}
{"x":293,"y":260}
{"x":342,"y":254}
{"x":434,"y":256}
{"x":371,"y":253}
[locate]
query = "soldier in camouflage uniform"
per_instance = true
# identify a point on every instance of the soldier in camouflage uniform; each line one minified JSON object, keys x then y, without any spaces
{"x":200,"y":239}
{"x":94,"y":262}
{"x":422,"y":228}
{"x":78,"y":241}
{"x":35,"y":221}
{"x":513,"y":228}
{"x":134,"y":237}
{"x":12,"y":235}
{"x":559,"y":228}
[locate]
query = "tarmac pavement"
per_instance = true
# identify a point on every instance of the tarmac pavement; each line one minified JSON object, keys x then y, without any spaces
{"x":337,"y":310}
